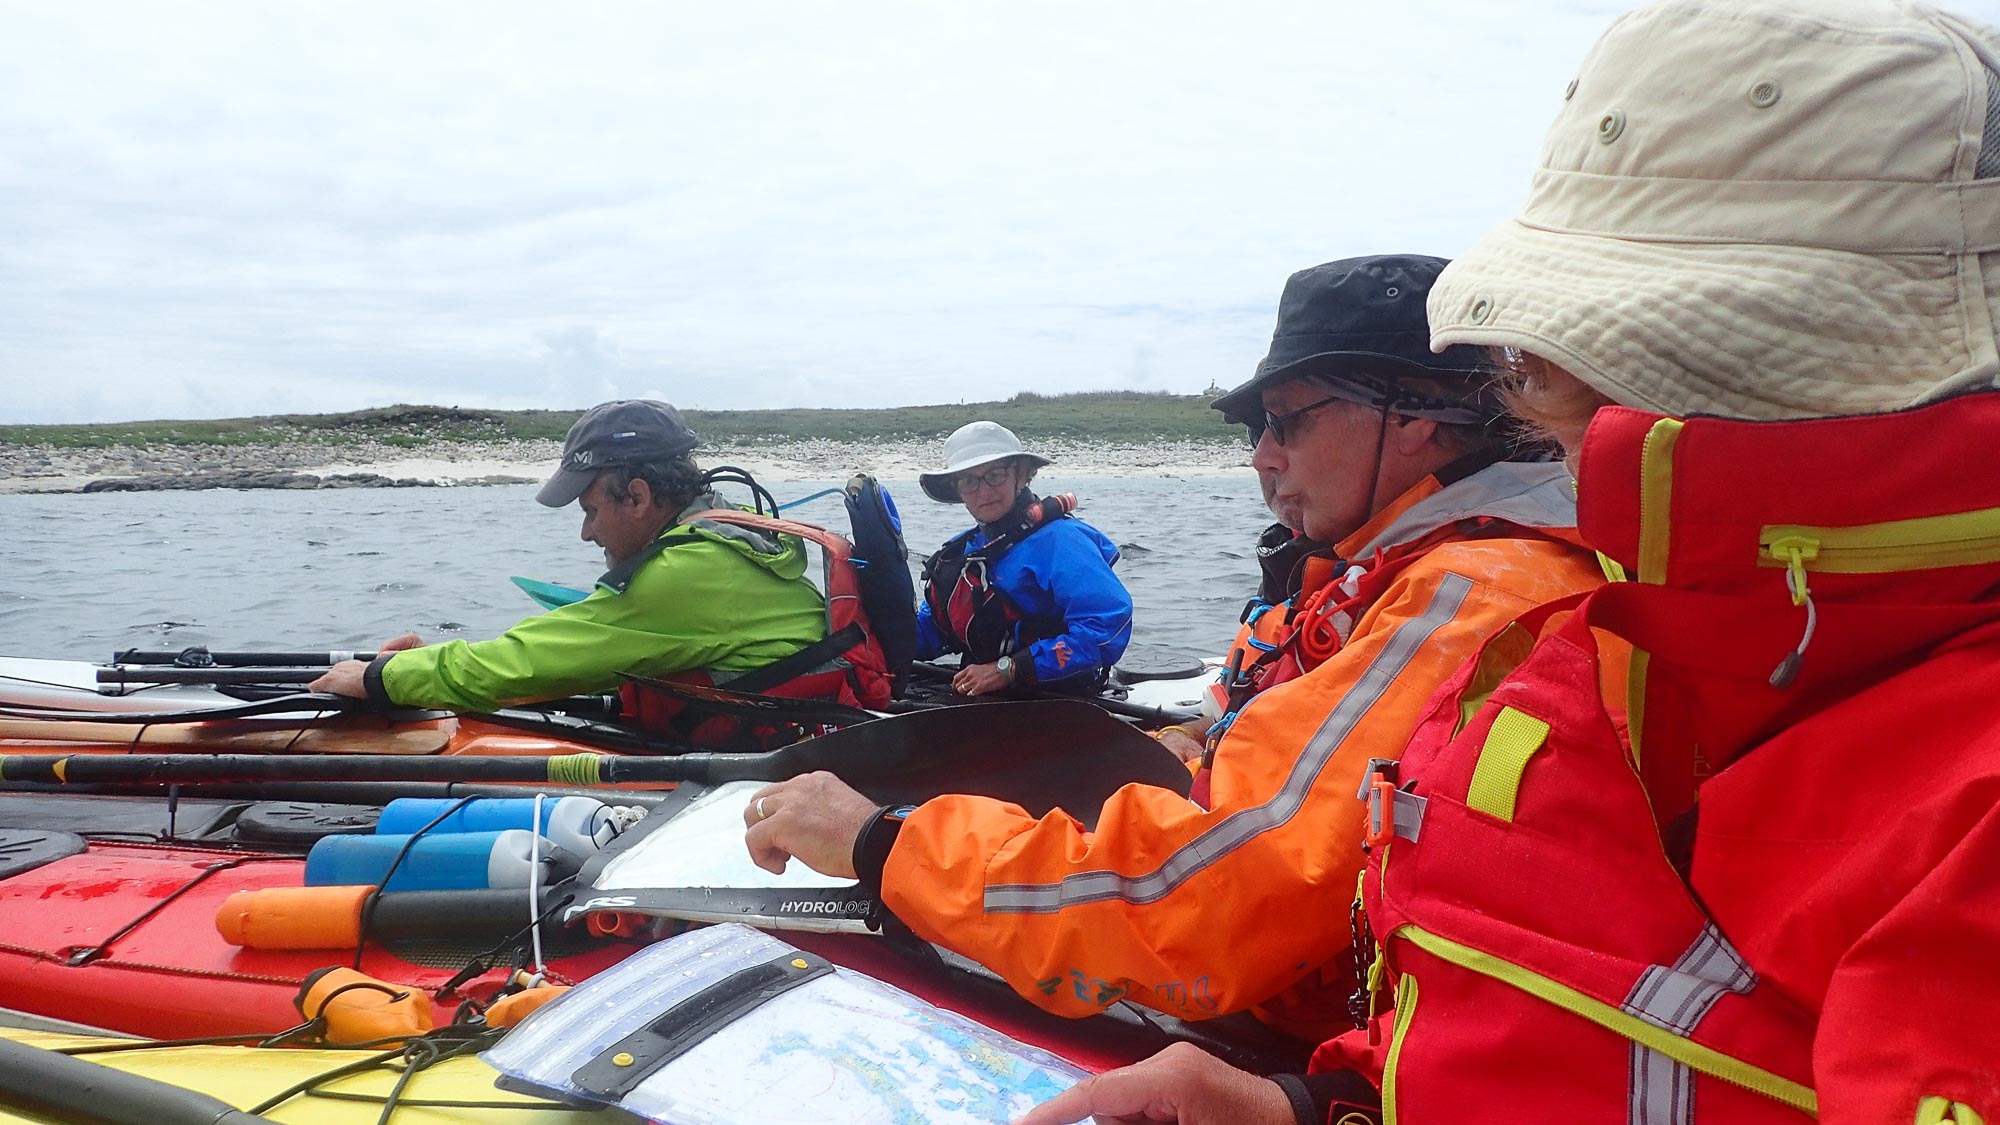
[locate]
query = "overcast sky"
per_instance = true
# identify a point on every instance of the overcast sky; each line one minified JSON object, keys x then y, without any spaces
{"x":211,"y":209}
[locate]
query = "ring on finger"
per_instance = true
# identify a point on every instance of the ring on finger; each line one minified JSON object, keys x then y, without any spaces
{"x":761,"y":814}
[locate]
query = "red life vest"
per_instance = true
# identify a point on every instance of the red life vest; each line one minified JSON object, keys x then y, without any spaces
{"x":971,"y":613}
{"x":846,"y":666}
{"x":1548,"y":962}
{"x":1565,"y":934}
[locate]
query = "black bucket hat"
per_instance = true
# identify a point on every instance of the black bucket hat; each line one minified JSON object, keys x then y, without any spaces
{"x":1354,"y":326}
{"x":625,"y":432}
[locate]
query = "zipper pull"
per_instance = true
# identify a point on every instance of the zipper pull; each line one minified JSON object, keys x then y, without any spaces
{"x":1367,"y":959}
{"x":1377,"y":970}
{"x":1795,"y":550}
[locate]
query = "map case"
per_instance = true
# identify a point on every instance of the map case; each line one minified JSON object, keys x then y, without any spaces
{"x":730,"y":1026}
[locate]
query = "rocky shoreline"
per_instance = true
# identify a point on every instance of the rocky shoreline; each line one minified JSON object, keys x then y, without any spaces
{"x":373,"y":464}
{"x":121,"y":468}
{"x":278,"y":478}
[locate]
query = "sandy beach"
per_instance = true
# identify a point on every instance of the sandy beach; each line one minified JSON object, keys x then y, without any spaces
{"x":50,"y":469}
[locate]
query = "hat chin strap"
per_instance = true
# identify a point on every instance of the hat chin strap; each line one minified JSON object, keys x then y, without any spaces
{"x":1375,"y":478}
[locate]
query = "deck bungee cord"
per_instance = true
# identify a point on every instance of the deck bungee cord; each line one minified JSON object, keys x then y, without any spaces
{"x":80,"y":956}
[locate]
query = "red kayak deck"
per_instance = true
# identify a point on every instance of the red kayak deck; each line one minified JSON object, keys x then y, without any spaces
{"x":79,"y":944}
{"x":123,"y":937}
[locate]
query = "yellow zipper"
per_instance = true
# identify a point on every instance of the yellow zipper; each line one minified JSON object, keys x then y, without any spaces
{"x":1406,"y":1007}
{"x":1926,"y":543}
{"x":1707,"y":1060}
{"x":1656,"y":494}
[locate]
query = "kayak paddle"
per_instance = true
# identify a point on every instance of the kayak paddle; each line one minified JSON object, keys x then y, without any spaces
{"x":1040,"y":754}
{"x":221,"y":676}
{"x":63,"y":1088}
{"x":199,"y":657}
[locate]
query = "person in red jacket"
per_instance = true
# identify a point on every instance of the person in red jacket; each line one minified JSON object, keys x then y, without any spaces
{"x":1768,"y":233}
{"x":1388,"y":452}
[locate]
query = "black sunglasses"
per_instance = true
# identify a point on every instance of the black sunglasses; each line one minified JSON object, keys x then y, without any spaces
{"x":1276,"y":423}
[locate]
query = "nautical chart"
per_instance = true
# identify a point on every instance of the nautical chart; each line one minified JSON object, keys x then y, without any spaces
{"x":850,"y":1056}
{"x":839,"y":1049}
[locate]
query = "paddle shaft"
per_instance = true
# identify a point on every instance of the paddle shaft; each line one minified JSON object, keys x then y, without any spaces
{"x":69,"y":1089}
{"x":210,"y":675}
{"x":322,"y":659}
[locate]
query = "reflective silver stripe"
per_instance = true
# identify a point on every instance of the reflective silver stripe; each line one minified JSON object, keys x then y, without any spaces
{"x":1660,"y":1090}
{"x":1677,"y":998}
{"x":1239,"y":828}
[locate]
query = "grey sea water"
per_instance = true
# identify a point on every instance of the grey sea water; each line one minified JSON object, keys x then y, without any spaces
{"x":84,"y":576}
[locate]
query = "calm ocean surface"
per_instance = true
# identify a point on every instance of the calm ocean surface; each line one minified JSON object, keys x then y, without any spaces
{"x":84,"y":576}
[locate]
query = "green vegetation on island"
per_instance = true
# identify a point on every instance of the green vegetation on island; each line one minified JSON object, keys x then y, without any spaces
{"x":1108,"y":416}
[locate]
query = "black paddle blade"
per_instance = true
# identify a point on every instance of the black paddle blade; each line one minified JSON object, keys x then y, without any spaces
{"x":756,"y":708}
{"x":1039,"y":754}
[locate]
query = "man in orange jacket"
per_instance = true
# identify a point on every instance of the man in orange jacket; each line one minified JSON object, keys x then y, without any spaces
{"x":1395,"y":456}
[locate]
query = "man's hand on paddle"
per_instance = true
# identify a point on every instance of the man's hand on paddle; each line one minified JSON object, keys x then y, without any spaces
{"x":1182,"y":1084}
{"x":979,"y":679}
{"x":344,"y":678}
{"x":815,"y":817}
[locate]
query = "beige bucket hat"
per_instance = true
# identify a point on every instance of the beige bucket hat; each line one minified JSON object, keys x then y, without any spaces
{"x":1760,"y":211}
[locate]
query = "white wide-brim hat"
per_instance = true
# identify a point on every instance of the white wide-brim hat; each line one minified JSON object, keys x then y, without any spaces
{"x":1758,"y":211}
{"x":970,"y":446}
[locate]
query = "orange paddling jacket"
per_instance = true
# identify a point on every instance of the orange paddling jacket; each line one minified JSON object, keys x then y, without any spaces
{"x":1780,"y":898}
{"x":1200,"y":912}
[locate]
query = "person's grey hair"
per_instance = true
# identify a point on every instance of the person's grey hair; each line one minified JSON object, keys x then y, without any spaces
{"x":674,"y":482}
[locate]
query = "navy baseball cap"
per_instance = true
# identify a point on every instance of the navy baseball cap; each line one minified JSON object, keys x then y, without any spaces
{"x":1355,"y":325}
{"x":626,"y":432}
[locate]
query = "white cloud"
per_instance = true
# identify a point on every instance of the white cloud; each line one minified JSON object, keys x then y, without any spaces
{"x":225,"y":208}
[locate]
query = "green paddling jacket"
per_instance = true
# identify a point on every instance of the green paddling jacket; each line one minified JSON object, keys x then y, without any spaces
{"x":704,"y":596}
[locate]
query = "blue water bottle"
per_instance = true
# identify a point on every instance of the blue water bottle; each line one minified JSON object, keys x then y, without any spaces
{"x":450,"y":861}
{"x":577,"y":824}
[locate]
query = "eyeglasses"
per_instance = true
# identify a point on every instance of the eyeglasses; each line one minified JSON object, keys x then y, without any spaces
{"x":1276,"y":423}
{"x":995,"y":477}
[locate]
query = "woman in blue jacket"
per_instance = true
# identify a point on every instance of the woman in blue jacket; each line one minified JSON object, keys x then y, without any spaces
{"x":1027,"y":594}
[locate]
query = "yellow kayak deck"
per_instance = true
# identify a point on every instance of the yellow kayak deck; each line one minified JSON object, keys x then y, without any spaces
{"x":244,"y":1076}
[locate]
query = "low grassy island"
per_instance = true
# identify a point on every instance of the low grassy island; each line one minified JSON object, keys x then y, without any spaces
{"x":1090,"y":433}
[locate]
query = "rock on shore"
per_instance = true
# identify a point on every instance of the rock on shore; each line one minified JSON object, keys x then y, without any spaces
{"x":266,"y":478}
{"x":359,"y":464}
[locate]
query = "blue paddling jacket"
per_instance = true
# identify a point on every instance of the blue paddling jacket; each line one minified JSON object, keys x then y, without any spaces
{"x":1040,"y":590}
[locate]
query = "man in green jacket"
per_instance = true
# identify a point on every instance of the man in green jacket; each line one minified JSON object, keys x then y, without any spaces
{"x":682,"y":595}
